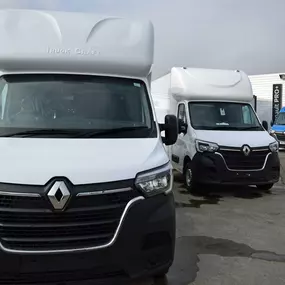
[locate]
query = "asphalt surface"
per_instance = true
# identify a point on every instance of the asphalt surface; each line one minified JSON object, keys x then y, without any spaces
{"x":228,"y":236}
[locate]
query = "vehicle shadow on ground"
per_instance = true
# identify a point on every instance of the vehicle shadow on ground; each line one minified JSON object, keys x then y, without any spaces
{"x":211,"y":195}
{"x":185,"y":268}
{"x":188,"y":248}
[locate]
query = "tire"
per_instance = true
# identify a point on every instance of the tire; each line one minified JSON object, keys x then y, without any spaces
{"x":265,"y":187}
{"x":188,"y":177}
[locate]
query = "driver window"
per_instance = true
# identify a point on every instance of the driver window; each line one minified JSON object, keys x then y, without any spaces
{"x":182,"y":113}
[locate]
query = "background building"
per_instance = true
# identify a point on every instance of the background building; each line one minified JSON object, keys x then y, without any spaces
{"x":268,"y":89}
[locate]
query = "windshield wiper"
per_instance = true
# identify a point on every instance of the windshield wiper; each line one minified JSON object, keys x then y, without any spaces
{"x":40,"y":132}
{"x":250,"y":128}
{"x":91,"y":134}
{"x":228,"y":128}
{"x":72,"y":133}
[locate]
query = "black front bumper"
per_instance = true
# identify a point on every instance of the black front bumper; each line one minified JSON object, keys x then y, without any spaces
{"x":210,"y":168}
{"x":144,"y":246}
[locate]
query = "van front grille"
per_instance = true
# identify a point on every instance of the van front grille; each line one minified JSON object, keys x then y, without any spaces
{"x":237,"y":160}
{"x":30,"y":224}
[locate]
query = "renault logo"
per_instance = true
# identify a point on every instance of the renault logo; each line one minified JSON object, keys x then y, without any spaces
{"x":246,"y":150}
{"x":58,"y":195}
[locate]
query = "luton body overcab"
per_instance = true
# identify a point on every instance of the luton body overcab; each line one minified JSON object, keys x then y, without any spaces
{"x":86,"y":183}
{"x":221,"y":140}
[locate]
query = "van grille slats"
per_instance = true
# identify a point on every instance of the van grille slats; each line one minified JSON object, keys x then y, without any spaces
{"x":7,"y":201}
{"x":236,"y":160}
{"x":9,"y":233}
{"x":49,"y":217}
{"x":280,"y":137}
{"x":29,"y":223}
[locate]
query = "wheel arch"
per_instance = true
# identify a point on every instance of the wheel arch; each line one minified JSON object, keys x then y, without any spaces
{"x":186,"y":160}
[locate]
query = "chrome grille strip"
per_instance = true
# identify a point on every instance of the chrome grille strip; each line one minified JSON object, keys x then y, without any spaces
{"x":103,"y":192}
{"x":81,"y":194}
{"x":112,"y":241}
{"x":247,"y":170}
{"x":19,"y":194}
{"x":236,"y":149}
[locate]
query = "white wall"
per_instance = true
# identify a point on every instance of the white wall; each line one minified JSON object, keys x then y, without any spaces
{"x":262,"y":86}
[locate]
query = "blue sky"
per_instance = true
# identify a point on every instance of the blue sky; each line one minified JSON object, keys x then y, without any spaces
{"x":245,"y":34}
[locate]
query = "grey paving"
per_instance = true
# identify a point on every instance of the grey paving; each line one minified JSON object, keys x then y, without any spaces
{"x":229,"y":236}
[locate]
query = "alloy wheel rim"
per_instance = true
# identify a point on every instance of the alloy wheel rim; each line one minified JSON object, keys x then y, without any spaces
{"x":189,"y":177}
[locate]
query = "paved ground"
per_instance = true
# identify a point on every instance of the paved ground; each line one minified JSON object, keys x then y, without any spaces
{"x":229,"y":236}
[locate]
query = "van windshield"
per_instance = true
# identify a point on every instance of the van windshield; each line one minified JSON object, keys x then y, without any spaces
{"x":223,"y":116}
{"x":280,"y":120}
{"x":74,"y":106}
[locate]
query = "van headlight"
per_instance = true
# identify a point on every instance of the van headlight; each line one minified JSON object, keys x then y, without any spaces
{"x":203,"y":146}
{"x":155,"y":181}
{"x":274,"y":146}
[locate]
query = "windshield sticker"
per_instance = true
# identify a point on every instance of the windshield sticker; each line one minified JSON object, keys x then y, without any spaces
{"x":137,"y":85}
{"x":222,"y":112}
{"x":222,"y":124}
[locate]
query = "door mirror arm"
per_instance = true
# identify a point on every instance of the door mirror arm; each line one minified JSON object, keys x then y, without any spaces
{"x":182,"y":127}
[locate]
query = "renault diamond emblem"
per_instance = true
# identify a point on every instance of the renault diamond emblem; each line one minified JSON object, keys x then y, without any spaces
{"x":58,"y":195}
{"x":246,"y":150}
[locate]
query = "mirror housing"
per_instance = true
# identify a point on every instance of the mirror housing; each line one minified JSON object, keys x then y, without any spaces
{"x":182,"y":127}
{"x":265,"y":125}
{"x":170,"y":127}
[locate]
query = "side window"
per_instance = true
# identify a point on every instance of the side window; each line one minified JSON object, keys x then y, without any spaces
{"x":246,"y":115}
{"x":181,"y":114}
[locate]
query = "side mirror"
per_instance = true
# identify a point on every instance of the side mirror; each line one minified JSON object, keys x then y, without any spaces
{"x":182,"y":127}
{"x":265,"y":125}
{"x":170,"y":127}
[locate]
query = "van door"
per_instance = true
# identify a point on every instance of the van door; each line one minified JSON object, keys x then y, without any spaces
{"x":178,"y":149}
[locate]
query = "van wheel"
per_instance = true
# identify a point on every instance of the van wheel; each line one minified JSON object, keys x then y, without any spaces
{"x":188,"y":177}
{"x":265,"y":187}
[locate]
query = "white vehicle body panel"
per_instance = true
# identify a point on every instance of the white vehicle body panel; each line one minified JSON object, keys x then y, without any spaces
{"x":82,"y":161}
{"x":183,"y":85}
{"x":36,"y":42}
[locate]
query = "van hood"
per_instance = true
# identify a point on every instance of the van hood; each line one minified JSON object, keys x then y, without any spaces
{"x":35,"y":161}
{"x":236,"y":138}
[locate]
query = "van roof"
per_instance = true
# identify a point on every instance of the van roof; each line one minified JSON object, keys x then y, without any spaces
{"x":210,"y":84}
{"x":65,"y":42}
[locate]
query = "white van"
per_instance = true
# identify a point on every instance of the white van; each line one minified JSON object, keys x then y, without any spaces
{"x":221,"y":139}
{"x":85,"y":183}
